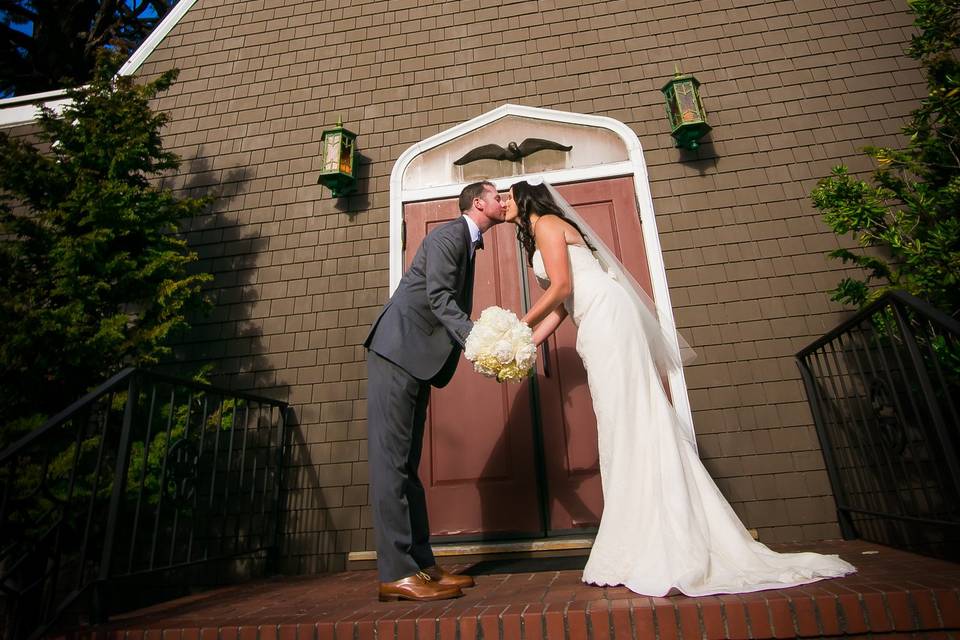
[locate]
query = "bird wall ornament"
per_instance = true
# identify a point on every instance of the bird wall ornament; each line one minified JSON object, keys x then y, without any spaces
{"x":514,"y":152}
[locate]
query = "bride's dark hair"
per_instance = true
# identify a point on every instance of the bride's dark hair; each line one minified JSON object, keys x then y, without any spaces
{"x":536,"y":199}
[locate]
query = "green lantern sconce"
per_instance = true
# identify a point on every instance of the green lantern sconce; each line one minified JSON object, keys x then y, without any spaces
{"x":338,"y":151}
{"x":688,"y":120}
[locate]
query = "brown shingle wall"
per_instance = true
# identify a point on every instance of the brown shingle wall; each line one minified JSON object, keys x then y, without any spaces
{"x":792,"y":88}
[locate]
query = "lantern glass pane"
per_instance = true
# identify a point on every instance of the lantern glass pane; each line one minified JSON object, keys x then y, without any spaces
{"x":673,"y":106}
{"x":331,"y":151}
{"x":687,"y":102}
{"x":346,"y":157}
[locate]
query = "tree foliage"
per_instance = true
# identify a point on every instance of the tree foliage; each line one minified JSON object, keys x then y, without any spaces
{"x":48,"y":44}
{"x":908,"y":213}
{"x":93,"y":273}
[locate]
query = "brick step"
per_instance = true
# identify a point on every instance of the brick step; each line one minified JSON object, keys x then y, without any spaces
{"x":894,"y":594}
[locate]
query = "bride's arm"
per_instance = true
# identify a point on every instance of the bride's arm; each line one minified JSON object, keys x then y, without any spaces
{"x":553,"y":250}
{"x":546,"y":328}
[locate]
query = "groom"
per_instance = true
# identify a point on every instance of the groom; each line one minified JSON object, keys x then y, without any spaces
{"x":415,"y":343}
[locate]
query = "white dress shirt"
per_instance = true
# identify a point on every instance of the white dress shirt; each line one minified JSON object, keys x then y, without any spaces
{"x":474,"y":232}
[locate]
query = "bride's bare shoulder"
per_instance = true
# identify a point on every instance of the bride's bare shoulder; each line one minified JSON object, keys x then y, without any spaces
{"x":558,"y":226}
{"x":552,"y":223}
{"x":547,"y":226}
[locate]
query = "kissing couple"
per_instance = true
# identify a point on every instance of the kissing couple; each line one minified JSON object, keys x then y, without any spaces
{"x":665,"y":525}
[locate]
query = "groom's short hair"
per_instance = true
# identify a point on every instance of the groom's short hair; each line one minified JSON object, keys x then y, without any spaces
{"x":472,"y":191}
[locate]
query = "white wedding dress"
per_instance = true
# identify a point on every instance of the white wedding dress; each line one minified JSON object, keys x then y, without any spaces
{"x":665,"y":524}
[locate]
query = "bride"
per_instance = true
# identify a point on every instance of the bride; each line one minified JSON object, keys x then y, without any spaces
{"x":665,"y":525}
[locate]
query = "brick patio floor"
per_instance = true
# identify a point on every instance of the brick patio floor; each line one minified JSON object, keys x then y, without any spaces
{"x":894,"y":594}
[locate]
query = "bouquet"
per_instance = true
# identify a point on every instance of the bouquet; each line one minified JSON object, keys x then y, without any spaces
{"x":501,"y":346}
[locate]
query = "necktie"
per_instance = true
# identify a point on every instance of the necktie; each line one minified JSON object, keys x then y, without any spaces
{"x":478,"y":244}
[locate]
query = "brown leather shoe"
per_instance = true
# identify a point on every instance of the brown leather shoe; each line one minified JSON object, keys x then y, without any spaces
{"x":419,"y":587}
{"x":441,"y":576}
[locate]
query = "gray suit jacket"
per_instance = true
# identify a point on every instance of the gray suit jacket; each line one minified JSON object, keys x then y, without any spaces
{"x":425,"y":323}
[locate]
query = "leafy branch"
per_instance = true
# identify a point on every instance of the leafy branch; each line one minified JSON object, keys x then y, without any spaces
{"x":906,"y":218}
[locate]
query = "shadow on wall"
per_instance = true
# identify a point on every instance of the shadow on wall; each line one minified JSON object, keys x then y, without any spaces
{"x":308,"y":543}
{"x":358,"y":201}
{"x":703,"y":159}
{"x":232,"y":338}
{"x":245,"y":338}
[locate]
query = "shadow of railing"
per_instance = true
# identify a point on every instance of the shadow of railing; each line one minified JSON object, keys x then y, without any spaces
{"x":145,"y":487}
{"x":884,"y":390}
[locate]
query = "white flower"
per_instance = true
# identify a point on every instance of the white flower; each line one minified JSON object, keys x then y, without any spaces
{"x":501,"y":346}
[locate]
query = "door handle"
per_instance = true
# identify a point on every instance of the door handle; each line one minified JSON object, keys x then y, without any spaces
{"x":545,"y":348}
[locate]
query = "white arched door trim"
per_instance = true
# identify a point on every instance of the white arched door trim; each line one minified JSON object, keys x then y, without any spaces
{"x":634,"y":165}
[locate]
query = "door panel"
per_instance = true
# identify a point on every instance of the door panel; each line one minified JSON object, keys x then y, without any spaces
{"x":478,"y":460}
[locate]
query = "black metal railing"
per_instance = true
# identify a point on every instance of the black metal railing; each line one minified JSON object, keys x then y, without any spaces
{"x":884,"y":389}
{"x":141,"y":483}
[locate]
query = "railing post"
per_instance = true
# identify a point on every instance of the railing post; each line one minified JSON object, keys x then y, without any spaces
{"x":847,"y":528}
{"x":101,"y":604}
{"x":273,"y":555}
{"x":926,"y":388}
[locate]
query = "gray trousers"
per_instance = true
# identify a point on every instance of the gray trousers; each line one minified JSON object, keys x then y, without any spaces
{"x":396,"y":413}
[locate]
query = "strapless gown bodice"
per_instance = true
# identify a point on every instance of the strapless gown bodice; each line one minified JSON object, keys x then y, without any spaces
{"x":592,"y":285}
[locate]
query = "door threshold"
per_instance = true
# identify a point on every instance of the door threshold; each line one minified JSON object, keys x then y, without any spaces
{"x":465,"y":552}
{"x":468,"y":552}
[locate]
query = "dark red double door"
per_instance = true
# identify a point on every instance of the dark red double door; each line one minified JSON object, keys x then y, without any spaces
{"x":521,"y":459}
